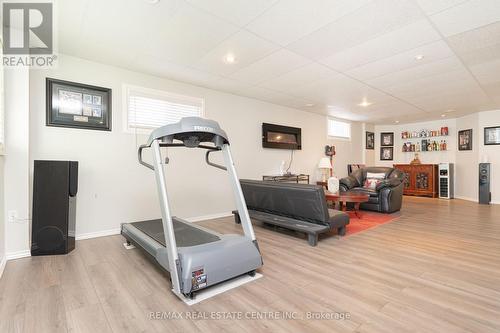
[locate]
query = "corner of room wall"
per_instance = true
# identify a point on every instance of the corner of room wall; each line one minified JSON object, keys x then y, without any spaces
{"x":3,"y":257}
{"x":16,"y":161}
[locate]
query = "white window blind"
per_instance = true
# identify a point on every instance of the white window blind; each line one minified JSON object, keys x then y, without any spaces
{"x":339,"y":129}
{"x":149,"y":109}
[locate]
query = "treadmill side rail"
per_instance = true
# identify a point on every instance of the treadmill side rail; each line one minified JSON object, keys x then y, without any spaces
{"x":168,"y":228}
{"x":246,"y":223}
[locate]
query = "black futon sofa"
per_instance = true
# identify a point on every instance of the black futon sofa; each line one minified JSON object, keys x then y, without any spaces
{"x":387,"y":197}
{"x":297,"y":207}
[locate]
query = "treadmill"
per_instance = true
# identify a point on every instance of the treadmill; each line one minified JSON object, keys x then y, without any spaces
{"x":195,"y":257}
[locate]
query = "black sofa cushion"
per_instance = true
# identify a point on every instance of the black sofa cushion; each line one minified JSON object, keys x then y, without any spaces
{"x":296,"y":207}
{"x":300,"y":201}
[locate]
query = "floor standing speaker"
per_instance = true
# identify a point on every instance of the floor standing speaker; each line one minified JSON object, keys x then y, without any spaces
{"x":484,"y":183}
{"x":55,"y":184}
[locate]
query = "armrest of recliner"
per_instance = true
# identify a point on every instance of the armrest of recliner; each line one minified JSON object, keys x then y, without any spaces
{"x":392,"y":182}
{"x":349,"y":182}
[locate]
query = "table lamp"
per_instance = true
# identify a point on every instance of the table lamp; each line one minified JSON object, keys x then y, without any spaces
{"x":325,"y":165}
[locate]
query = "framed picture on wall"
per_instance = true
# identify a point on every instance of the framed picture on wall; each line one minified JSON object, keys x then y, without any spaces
{"x":492,"y":135}
{"x":76,"y":105}
{"x":370,"y":140}
{"x":465,"y":139}
{"x":386,"y":153}
{"x":387,"y":139}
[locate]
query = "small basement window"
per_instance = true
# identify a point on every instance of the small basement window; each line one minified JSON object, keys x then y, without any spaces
{"x":149,"y":109}
{"x":339,"y":129}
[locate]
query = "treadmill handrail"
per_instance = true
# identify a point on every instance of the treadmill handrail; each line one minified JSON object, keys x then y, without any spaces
{"x":207,"y":159}
{"x":163,"y":144}
{"x":139,"y":152}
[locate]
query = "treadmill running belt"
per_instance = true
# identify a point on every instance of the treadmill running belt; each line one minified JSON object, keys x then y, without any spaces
{"x":185,"y":235}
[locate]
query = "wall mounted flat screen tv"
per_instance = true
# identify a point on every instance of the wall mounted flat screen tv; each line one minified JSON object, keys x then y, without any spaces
{"x":281,"y":137}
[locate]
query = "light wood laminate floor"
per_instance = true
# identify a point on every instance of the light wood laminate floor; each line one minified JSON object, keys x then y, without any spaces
{"x":435,"y":269}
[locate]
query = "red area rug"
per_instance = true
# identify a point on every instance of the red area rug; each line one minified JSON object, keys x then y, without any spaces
{"x":368,"y":220}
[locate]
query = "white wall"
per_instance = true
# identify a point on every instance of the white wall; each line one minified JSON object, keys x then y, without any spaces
{"x":114,"y":188}
{"x":369,"y":155}
{"x":490,"y":154}
{"x":466,"y":162}
{"x":348,"y":151}
{"x":431,"y":157}
{"x":466,"y":168}
{"x":16,"y":168}
{"x":2,"y":219}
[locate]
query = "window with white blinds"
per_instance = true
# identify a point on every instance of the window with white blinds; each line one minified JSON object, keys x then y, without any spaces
{"x":339,"y":129}
{"x":149,"y":109}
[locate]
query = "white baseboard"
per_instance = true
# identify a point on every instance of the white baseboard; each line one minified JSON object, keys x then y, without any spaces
{"x":475,"y":200}
{"x":3,"y":261}
{"x":96,"y":234}
{"x":208,"y":217}
{"x":18,"y":254}
{"x":117,"y":231}
{"x":465,"y":198}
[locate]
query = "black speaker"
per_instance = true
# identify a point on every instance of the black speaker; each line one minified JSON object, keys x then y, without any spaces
{"x":484,"y":183}
{"x":55,"y":185}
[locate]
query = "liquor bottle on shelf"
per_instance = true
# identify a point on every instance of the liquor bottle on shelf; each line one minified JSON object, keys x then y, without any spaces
{"x":445,"y":146}
{"x":418,"y":147}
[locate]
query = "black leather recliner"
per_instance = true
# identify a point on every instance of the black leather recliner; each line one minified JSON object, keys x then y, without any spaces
{"x":387,"y":197}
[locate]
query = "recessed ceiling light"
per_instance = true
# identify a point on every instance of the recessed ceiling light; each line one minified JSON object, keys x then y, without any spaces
{"x":309,"y":104}
{"x":152,"y":2}
{"x":443,"y":115}
{"x":419,"y":57}
{"x":229,"y":58}
{"x":397,"y":121}
{"x":365,"y":103}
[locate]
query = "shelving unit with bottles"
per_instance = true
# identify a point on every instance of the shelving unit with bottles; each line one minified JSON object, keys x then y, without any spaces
{"x":425,"y":140}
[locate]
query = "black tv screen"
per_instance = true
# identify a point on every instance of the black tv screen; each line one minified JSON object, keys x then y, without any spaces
{"x":281,"y":137}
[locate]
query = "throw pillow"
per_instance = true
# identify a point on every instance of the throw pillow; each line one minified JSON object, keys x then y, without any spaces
{"x":371,"y":183}
{"x":372,"y":180}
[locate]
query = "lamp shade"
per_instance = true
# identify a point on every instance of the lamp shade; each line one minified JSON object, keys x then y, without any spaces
{"x":324,"y":163}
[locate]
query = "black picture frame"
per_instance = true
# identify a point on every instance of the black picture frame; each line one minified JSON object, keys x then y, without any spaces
{"x":77,"y":105}
{"x":465,"y":139}
{"x":390,"y":153}
{"x":370,"y":140}
{"x":492,"y":135}
{"x":387,"y":137}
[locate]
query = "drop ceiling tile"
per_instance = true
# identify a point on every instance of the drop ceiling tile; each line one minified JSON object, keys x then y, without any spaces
{"x":273,"y":65}
{"x":370,"y":21}
{"x":467,"y":16}
{"x":414,"y":73}
{"x":439,"y":83}
{"x":403,"y":61}
{"x":122,"y":40}
{"x":188,"y":35}
{"x":159,"y":67}
{"x":476,"y":101}
{"x":246,"y":48}
{"x":339,"y":90}
{"x":487,"y":72}
{"x":477,"y":46}
{"x":70,"y":19}
{"x":228,"y":85}
{"x":405,"y":38}
{"x":476,"y":39}
{"x":274,"y":97}
{"x":300,"y":76}
{"x":292,"y":19}
{"x":493,"y":91}
{"x":239,"y":12}
{"x":434,"y":6}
